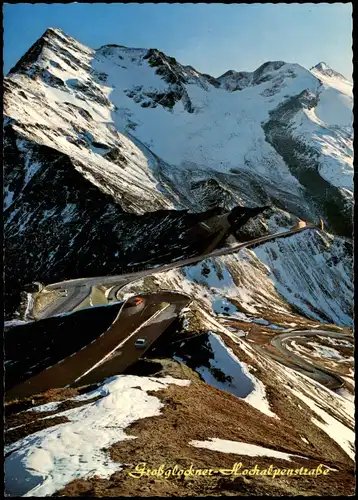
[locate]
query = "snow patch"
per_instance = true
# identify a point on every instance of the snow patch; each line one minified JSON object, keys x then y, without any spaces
{"x":239,"y":379}
{"x":46,"y":461}
{"x":341,"y":434}
{"x":241,"y":448}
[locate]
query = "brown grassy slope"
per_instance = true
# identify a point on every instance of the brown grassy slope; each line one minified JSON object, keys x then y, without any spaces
{"x":199,"y":412}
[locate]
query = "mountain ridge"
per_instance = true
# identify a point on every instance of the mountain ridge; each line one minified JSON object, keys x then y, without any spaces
{"x":115,"y":160}
{"x":152,"y":134}
{"x":321,"y":66}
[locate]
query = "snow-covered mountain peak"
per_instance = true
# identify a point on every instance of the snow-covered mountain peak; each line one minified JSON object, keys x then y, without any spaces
{"x":272,"y":71}
{"x":53,"y":42}
{"x":189,"y":120}
{"x":142,"y":132}
{"x":323,"y":69}
{"x":322,"y":66}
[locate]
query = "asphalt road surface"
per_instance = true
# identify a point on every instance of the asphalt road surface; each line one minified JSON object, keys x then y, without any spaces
{"x":126,"y":352}
{"x":73,"y":298}
{"x":101,"y":357}
{"x":121,"y":280}
{"x":113,"y":349}
{"x":32,"y":347}
{"x":323,"y":375}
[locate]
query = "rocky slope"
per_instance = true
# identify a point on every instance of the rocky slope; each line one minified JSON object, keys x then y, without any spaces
{"x":299,"y":274}
{"x":112,"y":158}
{"x":225,"y":403}
{"x":101,"y":146}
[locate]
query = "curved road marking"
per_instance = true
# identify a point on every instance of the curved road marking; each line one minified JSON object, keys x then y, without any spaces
{"x":39,"y":382}
{"x":309,"y":367}
{"x":129,"y":277}
{"x":83,"y":286}
{"x":157,"y":313}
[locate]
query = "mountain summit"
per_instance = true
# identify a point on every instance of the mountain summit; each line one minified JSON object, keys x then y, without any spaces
{"x":120,"y":160}
{"x":102,"y":146}
{"x":324,"y":69}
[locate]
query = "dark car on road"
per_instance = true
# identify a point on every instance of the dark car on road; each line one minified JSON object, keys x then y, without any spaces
{"x":140,"y":343}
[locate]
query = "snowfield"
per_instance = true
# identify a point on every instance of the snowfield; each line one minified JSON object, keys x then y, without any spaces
{"x":336,"y":411}
{"x":153,"y":134}
{"x":44,"y":462}
{"x":307,"y":277}
{"x":240,"y":381}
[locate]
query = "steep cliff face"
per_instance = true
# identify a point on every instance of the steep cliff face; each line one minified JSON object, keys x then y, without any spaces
{"x":111,"y":153}
{"x":324,"y":186}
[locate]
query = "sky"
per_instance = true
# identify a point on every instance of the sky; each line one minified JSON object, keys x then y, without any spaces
{"x":212,"y":38}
